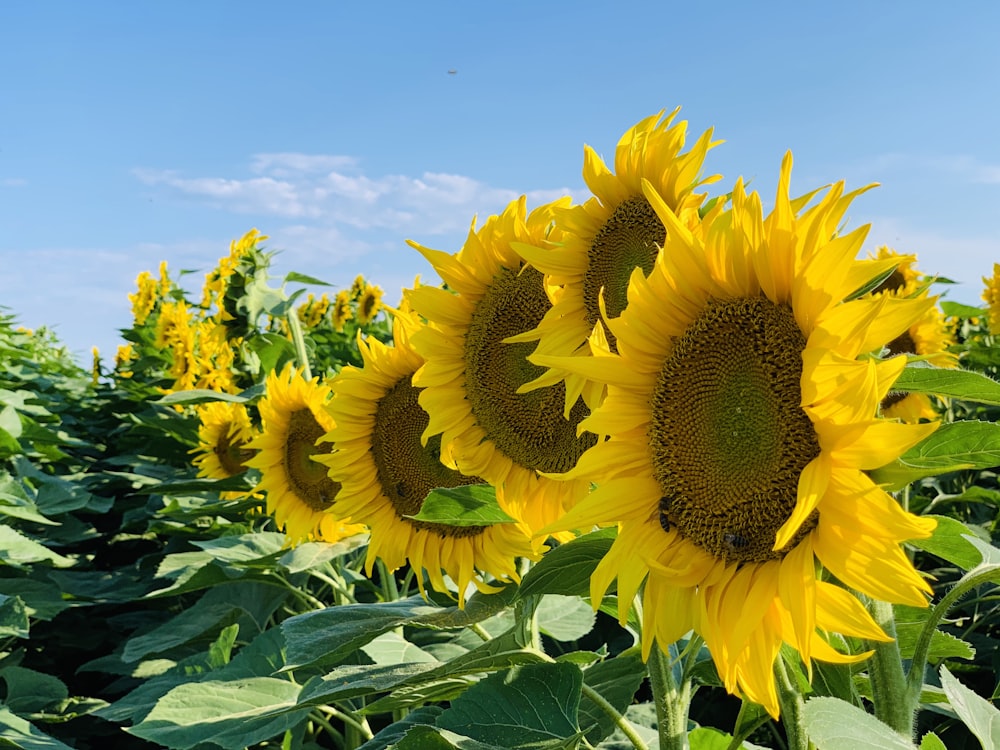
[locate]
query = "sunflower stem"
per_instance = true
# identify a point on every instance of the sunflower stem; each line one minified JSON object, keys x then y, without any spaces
{"x":889,"y":686}
{"x":791,"y":702}
{"x":670,"y":698}
{"x":299,"y":341}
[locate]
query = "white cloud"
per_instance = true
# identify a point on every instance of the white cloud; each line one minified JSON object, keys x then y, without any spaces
{"x":332,"y":191}
{"x":13,"y":182}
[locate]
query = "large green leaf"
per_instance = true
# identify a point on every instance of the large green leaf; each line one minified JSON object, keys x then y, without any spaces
{"x":961,"y":384}
{"x":19,"y":733}
{"x":979,"y":715}
{"x":18,"y":550}
{"x":564,"y":618}
{"x":532,"y":706}
{"x":952,"y":447}
{"x":231,"y":714}
{"x":326,"y":636}
{"x":950,"y":542}
{"x":392,"y":734}
{"x":833,"y":724}
{"x":498,"y":653}
{"x":30,"y":692}
{"x":423,"y":737}
{"x":567,"y":568}
{"x":466,"y":505}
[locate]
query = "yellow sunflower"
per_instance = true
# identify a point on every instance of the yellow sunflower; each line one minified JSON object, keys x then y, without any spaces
{"x":369,"y":304}
{"x":471,"y":377}
{"x":341,"y":310}
{"x":610,"y":235}
{"x":223,"y":435}
{"x":299,"y":492}
{"x":991,"y":296}
{"x":145,"y":297}
{"x":386,"y":470}
{"x":928,"y":337}
{"x":741,"y":417}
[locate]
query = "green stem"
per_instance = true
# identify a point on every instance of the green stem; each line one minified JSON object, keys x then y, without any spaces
{"x":620,"y":721}
{"x":915,"y":679}
{"x":299,"y":341}
{"x":671,"y":701}
{"x":390,"y":591}
{"x":791,"y":702}
{"x":885,"y":668}
{"x":353,"y":724}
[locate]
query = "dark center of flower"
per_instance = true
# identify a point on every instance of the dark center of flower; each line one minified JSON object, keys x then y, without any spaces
{"x":902,"y":344}
{"x":529,"y":428}
{"x":629,"y":239}
{"x":893,"y":283}
{"x":232,"y":454}
{"x":728,"y":436}
{"x":308,"y":478}
{"x":407,"y":470}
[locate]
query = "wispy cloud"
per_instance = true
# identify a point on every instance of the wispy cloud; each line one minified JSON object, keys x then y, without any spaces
{"x":960,"y":167}
{"x":13,"y":182}
{"x":332,"y":190}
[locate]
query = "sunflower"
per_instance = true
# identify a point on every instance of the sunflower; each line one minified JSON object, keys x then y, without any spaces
{"x":741,"y":416}
{"x":386,"y":470}
{"x":610,"y":235}
{"x":928,"y":337}
{"x":299,"y":492}
{"x":991,"y":296}
{"x":341,"y":310}
{"x":471,"y":377}
{"x":369,"y":304}
{"x":223,"y":435}
{"x":145,"y":297}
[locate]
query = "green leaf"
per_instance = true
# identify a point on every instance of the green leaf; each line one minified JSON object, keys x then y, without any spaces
{"x":498,"y":653}
{"x":961,"y":384}
{"x":326,"y":636}
{"x":833,"y":724}
{"x":232,"y":714}
{"x":31,"y":692}
{"x":18,"y":732}
{"x":952,"y":447}
{"x":532,"y":706}
{"x":565,"y":618}
{"x":467,"y":505}
{"x":958,"y":310}
{"x":18,"y":550}
{"x":354,"y":680}
{"x":13,"y":617}
{"x":979,"y":715}
{"x":434,"y":738}
{"x":390,"y":735}
{"x":950,"y":542}
{"x":616,"y":680}
{"x":931,"y":741}
{"x":201,"y":396}
{"x":301,"y":278}
{"x":943,"y":645}
{"x":393,"y":648}
{"x":311,"y":555}
{"x":566,"y":569}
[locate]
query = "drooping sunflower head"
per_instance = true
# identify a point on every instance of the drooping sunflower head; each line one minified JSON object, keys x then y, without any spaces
{"x":386,"y":468}
{"x":991,"y":296}
{"x":473,"y":374}
{"x":617,"y":230}
{"x":928,"y":337}
{"x":742,"y":413}
{"x":299,"y":491}
{"x":223,"y":435}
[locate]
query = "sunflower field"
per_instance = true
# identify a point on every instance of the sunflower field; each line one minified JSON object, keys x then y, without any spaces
{"x":663,"y":469}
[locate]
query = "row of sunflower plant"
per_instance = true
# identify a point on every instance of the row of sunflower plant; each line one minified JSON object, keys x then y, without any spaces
{"x":656,"y":470}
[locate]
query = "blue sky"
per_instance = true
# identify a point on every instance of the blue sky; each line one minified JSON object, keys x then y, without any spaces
{"x":140,"y":132}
